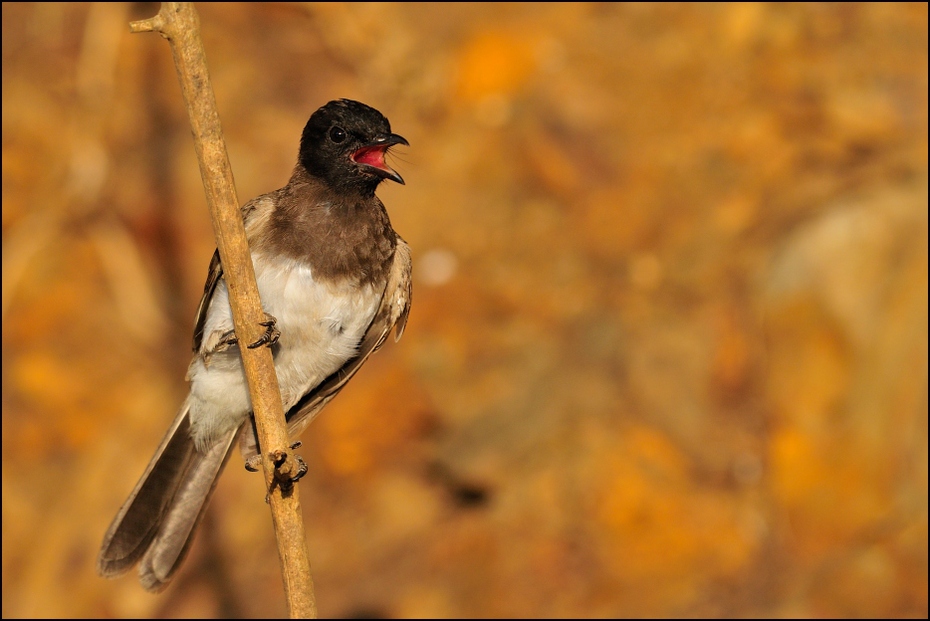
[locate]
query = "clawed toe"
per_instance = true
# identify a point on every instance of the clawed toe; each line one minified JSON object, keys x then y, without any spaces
{"x":253,"y":463}
{"x":271,"y":335}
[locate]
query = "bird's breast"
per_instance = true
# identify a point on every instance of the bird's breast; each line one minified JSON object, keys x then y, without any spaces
{"x":321,"y":321}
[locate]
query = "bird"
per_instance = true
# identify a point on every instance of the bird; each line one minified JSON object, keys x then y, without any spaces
{"x":334,"y":279}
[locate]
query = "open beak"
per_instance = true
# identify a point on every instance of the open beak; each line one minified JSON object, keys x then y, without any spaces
{"x":372,"y":156}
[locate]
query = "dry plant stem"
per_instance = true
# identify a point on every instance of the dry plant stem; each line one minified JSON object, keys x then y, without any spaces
{"x":179,"y":23}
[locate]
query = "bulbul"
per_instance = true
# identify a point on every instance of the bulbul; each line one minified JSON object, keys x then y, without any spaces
{"x":333,"y":277}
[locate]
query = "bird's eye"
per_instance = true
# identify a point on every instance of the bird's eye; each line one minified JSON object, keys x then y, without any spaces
{"x":337,"y":134}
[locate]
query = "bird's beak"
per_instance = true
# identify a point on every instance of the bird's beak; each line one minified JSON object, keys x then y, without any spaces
{"x":372,"y":156}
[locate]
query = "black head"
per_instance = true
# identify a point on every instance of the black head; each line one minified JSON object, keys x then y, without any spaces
{"x":344,"y":144}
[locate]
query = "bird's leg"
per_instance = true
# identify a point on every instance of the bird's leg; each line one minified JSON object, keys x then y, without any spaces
{"x":223,"y":343}
{"x":227,"y":340}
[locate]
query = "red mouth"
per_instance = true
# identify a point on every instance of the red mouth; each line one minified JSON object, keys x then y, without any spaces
{"x":373,"y":156}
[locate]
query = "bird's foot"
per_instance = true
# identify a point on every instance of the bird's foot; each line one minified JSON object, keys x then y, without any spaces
{"x":254,"y":463}
{"x":271,"y":335}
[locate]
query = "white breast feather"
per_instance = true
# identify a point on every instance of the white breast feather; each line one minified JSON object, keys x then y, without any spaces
{"x":321,"y":326}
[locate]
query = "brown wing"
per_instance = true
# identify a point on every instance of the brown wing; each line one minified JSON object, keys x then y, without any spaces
{"x":213,"y":277}
{"x":391,"y":314}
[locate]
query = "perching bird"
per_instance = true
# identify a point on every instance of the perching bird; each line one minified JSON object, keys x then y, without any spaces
{"x":334,"y":278}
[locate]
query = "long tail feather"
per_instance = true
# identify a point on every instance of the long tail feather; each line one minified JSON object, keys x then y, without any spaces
{"x":157,"y":521}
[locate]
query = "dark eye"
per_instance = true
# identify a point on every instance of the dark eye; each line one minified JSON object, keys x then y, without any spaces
{"x":337,"y":134}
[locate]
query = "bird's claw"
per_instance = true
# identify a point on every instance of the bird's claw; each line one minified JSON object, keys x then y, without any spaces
{"x":302,"y":469}
{"x":271,"y":335}
{"x":253,"y":463}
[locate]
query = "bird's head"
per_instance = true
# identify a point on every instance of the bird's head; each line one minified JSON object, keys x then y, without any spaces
{"x":344,"y":144}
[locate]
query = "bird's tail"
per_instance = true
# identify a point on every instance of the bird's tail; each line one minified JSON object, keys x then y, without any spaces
{"x":157,"y":521}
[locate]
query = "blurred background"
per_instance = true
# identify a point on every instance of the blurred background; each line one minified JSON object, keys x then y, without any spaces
{"x":668,"y":348}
